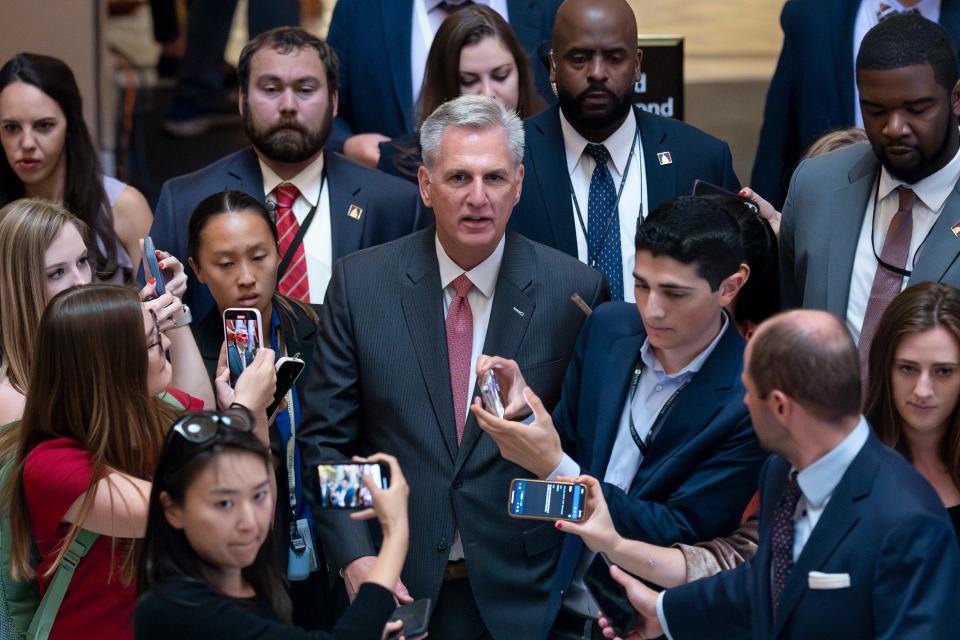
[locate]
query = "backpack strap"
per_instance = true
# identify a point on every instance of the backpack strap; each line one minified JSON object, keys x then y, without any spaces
{"x":46,"y":613}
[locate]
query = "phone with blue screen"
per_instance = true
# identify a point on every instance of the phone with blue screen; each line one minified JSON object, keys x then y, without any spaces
{"x":546,"y":500}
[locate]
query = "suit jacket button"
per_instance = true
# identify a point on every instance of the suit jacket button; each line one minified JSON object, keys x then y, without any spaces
{"x":459,"y":484}
{"x":443,"y":545}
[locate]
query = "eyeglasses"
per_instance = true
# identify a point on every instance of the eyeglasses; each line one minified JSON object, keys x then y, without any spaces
{"x":202,"y":427}
{"x":156,"y":326}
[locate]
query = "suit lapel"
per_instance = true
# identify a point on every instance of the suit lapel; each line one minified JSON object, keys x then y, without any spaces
{"x":398,"y":30}
{"x":244,"y":174}
{"x":344,"y":191}
{"x":422,"y":303}
{"x":548,"y":157}
{"x":841,"y":23}
{"x":941,"y":247}
{"x":624,"y":354}
{"x":842,"y":227}
{"x":661,"y":179}
{"x":512,"y":309}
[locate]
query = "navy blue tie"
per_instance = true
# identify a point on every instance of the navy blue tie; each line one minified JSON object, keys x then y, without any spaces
{"x":603,"y":249}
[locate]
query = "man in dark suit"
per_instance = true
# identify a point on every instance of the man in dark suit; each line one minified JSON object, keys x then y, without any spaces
{"x":813,"y":88}
{"x":863,"y":223}
{"x":650,"y":402}
{"x":288,"y":100}
{"x":383,"y":46}
{"x":590,"y":208}
{"x":854,"y":543}
{"x":401,"y":330}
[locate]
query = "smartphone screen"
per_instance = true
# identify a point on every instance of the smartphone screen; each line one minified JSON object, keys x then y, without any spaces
{"x":341,"y":486}
{"x":244,"y":336}
{"x":610,"y":595}
{"x":544,"y":500}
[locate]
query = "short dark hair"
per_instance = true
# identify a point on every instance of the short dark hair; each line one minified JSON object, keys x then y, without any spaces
{"x":696,"y":231}
{"x":283,"y":40}
{"x":817,"y":367}
{"x":908,"y":39}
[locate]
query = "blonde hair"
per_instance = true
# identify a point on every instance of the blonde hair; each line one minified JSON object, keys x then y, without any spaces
{"x":836,"y":139}
{"x":27,"y":229}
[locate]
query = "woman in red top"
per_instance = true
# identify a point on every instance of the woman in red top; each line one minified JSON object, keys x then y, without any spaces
{"x":92,"y":427}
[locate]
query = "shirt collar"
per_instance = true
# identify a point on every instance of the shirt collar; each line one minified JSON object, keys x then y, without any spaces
{"x":932,"y":190}
{"x":307,"y":181}
{"x":925,"y":7}
{"x":650,"y":361}
{"x":619,"y":144}
{"x":430,"y":5}
{"x":483,"y":276}
{"x":818,"y":480}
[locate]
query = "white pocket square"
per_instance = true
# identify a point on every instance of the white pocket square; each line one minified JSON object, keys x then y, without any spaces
{"x":818,"y":580}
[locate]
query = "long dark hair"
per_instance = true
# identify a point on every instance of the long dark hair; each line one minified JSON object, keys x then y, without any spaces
{"x":83,"y":193}
{"x":166,"y":551}
{"x":916,"y":309}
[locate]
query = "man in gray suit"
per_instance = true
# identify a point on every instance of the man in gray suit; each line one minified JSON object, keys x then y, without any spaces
{"x":862,"y":223}
{"x":401,"y":330}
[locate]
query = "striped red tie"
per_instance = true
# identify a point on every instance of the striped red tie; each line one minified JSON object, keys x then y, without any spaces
{"x":294,"y":282}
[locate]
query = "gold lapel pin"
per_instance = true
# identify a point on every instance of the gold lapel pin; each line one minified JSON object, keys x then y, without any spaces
{"x":956,"y":230}
{"x":664,"y":158}
{"x":355,"y":212}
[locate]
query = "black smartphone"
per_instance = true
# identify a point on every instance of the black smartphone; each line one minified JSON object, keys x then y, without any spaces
{"x":243,"y":332}
{"x":546,"y":500}
{"x":702,"y":188}
{"x":288,"y":370}
{"x":415,"y":617}
{"x":341,"y":486}
{"x":153,"y":267}
{"x":611,"y":597}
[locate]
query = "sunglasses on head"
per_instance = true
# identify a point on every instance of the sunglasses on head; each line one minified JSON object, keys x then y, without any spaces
{"x":202,"y":427}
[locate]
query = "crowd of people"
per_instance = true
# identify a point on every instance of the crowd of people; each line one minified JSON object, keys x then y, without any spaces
{"x":758,"y":391}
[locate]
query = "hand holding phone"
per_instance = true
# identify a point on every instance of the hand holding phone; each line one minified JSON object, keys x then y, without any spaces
{"x":546,"y":500}
{"x":243,"y":333}
{"x":490,"y":390}
{"x":341,"y":485}
{"x":502,"y":376}
{"x":288,"y":370}
{"x":415,"y":617}
{"x":611,"y":597}
{"x":152,"y":267}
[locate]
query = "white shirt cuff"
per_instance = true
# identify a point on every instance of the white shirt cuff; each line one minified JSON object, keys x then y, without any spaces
{"x":567,"y":467}
{"x":661,"y":617}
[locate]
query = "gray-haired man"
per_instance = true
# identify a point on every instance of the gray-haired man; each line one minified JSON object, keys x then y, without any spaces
{"x":402,"y":327}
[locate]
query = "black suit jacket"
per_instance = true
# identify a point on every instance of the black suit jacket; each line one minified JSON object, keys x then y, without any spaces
{"x":884,"y":527}
{"x":812,"y":88}
{"x":391,"y":208}
{"x":381,"y":383}
{"x":545,"y":212}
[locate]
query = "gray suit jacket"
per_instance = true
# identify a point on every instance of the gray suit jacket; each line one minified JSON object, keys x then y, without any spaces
{"x":380,"y":382}
{"x":822,"y":217}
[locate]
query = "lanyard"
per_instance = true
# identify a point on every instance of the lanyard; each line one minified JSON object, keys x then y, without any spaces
{"x":616,"y":205}
{"x":302,"y":231}
{"x":644,"y":445}
{"x":297,"y":543}
{"x":903,"y":272}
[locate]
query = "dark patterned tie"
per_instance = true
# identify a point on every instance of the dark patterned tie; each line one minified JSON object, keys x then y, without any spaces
{"x":782,"y":544}
{"x":884,"y":11}
{"x":603,"y":249}
{"x":453,"y":7}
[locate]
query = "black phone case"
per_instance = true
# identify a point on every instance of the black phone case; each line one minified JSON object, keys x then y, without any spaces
{"x":415,"y":616}
{"x":610,"y":595}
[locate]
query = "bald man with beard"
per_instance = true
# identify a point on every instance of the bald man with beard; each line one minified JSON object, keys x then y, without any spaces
{"x":567,"y":203}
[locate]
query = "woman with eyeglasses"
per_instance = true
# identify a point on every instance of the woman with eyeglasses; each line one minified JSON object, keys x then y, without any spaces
{"x":87,"y":448}
{"x":206,"y":570}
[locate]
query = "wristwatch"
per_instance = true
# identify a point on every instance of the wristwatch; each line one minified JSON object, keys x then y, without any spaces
{"x":185,"y":318}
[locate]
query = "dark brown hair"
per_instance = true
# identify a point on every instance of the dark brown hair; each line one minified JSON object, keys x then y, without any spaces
{"x":284,"y":40}
{"x":915,"y":310}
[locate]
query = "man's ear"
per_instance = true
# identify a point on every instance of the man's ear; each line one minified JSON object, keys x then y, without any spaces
{"x":423,"y":181}
{"x":240,"y":100}
{"x":196,"y":270}
{"x":780,"y":405}
{"x":955,"y":99}
{"x":335,"y":98}
{"x":553,"y":66}
{"x":520,"y":174}
{"x":732,"y":284}
{"x":171,"y":511}
{"x":636,"y":76}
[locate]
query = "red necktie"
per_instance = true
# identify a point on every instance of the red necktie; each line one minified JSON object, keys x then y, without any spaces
{"x":460,"y":348}
{"x":887,"y":284}
{"x":294,"y":282}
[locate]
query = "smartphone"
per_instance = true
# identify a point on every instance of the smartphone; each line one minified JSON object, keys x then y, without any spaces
{"x":490,"y":391}
{"x":415,"y":617}
{"x":702,"y":188}
{"x":341,"y":486}
{"x":152,"y":266}
{"x":243,"y":333}
{"x":545,"y":500}
{"x":611,"y":597}
{"x":288,"y":370}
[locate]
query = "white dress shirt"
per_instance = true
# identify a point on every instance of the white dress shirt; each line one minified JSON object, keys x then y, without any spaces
{"x":866,"y":20}
{"x":318,"y":240}
{"x":817,"y":483}
{"x":633,"y":200}
{"x":932,"y":193}
{"x":427,"y":18}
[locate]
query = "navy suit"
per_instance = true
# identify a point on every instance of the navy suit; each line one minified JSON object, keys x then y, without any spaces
{"x":812,"y":88}
{"x":884,"y":526}
{"x":702,"y":468}
{"x":372,"y":39}
{"x":391,"y":208}
{"x":545,"y":211}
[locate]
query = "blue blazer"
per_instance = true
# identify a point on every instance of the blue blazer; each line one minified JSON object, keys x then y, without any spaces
{"x":884,"y":526}
{"x":702,"y":468}
{"x":391,"y":208}
{"x":372,"y":40}
{"x":545,"y":212}
{"x":812,"y":88}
